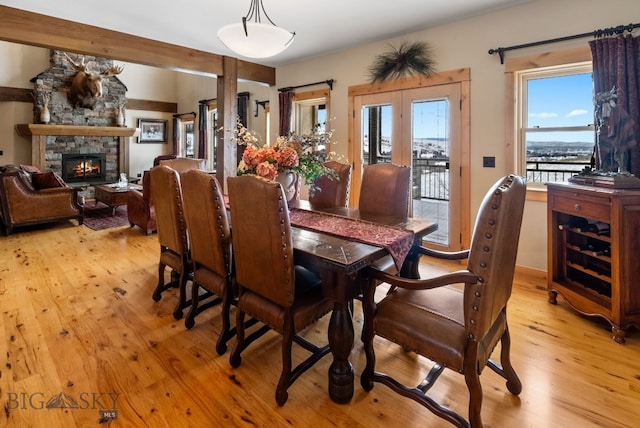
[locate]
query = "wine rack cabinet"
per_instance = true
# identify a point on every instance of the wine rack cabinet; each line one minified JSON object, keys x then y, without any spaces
{"x":594,"y":252}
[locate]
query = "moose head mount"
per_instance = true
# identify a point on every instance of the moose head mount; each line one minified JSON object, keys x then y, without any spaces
{"x":86,"y":86}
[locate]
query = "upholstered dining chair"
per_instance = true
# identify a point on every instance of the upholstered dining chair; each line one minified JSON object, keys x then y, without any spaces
{"x":332,"y":191}
{"x":271,"y":288}
{"x":182,"y":164}
{"x":210,"y":245}
{"x":456,"y":328}
{"x":385,"y":190}
{"x":172,"y":234}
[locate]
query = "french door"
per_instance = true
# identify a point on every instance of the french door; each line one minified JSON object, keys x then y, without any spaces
{"x":419,"y":127}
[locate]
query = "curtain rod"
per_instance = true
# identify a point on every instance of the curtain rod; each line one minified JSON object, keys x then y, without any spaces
{"x":290,"y":88}
{"x":185,"y":114}
{"x":597,"y":33}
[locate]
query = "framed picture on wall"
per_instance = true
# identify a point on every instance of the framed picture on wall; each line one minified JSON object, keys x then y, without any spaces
{"x":152,"y":131}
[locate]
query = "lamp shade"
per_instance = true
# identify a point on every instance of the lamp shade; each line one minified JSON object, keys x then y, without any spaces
{"x":261,"y":40}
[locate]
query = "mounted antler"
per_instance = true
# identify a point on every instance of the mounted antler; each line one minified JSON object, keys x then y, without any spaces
{"x":86,"y":86}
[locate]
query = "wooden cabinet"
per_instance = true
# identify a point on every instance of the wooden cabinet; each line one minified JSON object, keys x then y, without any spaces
{"x":594,"y":252}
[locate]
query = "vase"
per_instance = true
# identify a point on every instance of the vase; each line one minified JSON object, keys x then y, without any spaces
{"x":45,"y":116}
{"x":288,"y":180}
{"x":120,"y":117}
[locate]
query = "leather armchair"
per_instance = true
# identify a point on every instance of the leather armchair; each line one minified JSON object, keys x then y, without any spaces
{"x":455,"y":327}
{"x":27,"y":199}
{"x":140,"y":208}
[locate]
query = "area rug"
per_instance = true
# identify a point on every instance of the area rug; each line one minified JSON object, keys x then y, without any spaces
{"x":98,"y":217}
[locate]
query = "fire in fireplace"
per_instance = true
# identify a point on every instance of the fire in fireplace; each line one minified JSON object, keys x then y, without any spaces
{"x":86,"y":167}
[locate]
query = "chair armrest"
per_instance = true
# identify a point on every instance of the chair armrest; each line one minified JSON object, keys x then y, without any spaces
{"x":461,"y":276}
{"x":447,"y":255}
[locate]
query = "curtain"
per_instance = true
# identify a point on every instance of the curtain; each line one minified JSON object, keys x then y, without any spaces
{"x":616,"y":73}
{"x":176,"y":134}
{"x":286,"y":106}
{"x":243,"y":117}
{"x":203,"y":119}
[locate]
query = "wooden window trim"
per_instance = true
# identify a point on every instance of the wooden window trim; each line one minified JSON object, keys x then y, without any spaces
{"x":513,"y":65}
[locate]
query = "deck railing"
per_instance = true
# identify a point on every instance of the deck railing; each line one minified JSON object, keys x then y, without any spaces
{"x":431,"y":177}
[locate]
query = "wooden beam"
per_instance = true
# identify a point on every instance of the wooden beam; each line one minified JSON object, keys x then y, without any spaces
{"x":133,"y":104}
{"x":24,"y":95}
{"x":19,"y":26}
{"x":15,"y":94}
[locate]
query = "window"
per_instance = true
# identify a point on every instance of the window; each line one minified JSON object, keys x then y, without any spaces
{"x":529,"y":120}
{"x":555,"y":132}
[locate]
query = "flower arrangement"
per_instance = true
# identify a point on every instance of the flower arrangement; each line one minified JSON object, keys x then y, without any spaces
{"x":302,"y":154}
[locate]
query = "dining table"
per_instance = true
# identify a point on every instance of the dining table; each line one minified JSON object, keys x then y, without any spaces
{"x":338,"y":243}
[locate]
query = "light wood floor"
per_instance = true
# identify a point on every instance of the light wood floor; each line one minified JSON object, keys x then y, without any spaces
{"x":78,"y":318}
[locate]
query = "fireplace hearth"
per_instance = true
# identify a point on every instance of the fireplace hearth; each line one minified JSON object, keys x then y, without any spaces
{"x":89,"y":168}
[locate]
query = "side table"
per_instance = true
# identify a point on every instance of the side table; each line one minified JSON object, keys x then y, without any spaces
{"x":113,"y":196}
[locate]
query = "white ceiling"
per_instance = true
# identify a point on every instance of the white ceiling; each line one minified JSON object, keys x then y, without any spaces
{"x":321,"y":27}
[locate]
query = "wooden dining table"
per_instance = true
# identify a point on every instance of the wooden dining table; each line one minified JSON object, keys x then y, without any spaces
{"x":339,"y":259}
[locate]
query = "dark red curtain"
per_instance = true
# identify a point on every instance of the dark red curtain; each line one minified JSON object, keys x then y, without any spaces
{"x":176,"y":134}
{"x":616,"y":73}
{"x":203,"y":116}
{"x":286,"y":105}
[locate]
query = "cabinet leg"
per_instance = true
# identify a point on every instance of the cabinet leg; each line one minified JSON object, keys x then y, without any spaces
{"x":618,"y":334}
{"x":553,"y":297}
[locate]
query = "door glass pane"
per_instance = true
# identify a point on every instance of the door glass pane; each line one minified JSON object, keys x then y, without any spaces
{"x":189,"y":139}
{"x":376,"y":134}
{"x":430,"y":154}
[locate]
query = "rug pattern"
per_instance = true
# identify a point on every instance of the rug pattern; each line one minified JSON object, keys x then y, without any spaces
{"x":98,"y":217}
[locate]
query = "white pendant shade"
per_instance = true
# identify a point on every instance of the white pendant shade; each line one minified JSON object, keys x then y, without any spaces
{"x":261,"y":40}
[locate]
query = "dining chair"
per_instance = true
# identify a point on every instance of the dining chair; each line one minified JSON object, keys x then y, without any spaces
{"x":182,"y":164}
{"x":211,"y":252}
{"x":385,"y":190}
{"x":332,"y":191}
{"x":272,"y":288}
{"x":455,"y":327}
{"x":172,"y":234}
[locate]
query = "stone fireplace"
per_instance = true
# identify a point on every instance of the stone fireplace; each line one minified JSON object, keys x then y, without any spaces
{"x":77,"y":131}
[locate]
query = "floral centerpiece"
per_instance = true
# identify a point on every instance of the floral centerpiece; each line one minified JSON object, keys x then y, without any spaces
{"x":302,"y":154}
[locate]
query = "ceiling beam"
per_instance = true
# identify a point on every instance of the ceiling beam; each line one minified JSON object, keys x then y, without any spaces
{"x":28,"y":28}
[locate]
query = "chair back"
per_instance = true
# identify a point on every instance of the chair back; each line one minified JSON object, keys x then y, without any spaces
{"x":185,"y":164}
{"x":167,"y":198}
{"x":492,"y":255}
{"x":332,"y":192}
{"x":385,"y":190}
{"x":158,"y":159}
{"x":262,"y":243}
{"x":208,"y":225}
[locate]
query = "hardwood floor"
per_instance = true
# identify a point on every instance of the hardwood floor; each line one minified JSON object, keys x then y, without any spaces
{"x":78,"y":322}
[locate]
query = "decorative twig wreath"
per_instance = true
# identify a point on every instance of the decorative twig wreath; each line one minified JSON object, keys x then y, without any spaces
{"x":406,"y":59}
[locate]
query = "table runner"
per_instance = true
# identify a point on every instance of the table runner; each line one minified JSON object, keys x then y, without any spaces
{"x":397,"y":241}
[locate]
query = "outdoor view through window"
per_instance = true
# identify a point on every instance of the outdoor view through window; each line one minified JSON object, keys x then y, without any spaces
{"x":557,"y":124}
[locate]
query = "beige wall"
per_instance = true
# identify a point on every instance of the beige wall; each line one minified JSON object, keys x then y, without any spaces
{"x":462,"y":44}
{"x":465,"y":44}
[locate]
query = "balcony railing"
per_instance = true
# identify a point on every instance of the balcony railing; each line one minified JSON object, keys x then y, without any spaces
{"x":431,"y":176}
{"x":553,"y":171}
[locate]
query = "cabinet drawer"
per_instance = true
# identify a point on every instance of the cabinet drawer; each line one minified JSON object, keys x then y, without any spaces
{"x":582,"y":205}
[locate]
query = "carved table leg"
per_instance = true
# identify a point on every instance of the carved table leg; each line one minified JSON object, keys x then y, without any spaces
{"x":341,"y":341}
{"x":341,"y":288}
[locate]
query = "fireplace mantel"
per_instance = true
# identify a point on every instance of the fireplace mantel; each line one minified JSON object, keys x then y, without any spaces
{"x":40,"y":132}
{"x":33,"y":129}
